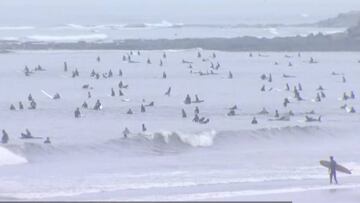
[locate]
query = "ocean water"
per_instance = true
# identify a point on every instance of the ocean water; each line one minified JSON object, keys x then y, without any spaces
{"x":175,"y":159}
{"x":94,"y":20}
{"x":161,"y":30}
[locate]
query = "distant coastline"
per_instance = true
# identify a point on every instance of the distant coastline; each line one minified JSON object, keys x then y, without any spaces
{"x":346,"y":41}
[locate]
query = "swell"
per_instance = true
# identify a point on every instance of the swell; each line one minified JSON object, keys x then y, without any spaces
{"x":169,"y":142}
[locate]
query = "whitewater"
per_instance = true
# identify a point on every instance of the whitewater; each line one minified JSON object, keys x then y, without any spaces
{"x":177,"y":159}
{"x":157,"y":30}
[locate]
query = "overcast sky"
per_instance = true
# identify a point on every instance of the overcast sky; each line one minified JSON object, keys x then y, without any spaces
{"x":28,"y":12}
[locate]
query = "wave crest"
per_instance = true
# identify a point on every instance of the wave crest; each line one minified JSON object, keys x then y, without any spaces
{"x":9,"y":158}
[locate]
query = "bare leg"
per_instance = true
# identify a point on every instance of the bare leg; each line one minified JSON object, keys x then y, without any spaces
{"x":330,"y":178}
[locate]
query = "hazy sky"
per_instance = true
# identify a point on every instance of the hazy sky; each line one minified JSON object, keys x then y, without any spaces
{"x":47,"y":12}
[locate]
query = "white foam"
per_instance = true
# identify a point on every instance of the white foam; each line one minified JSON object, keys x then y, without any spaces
{"x":163,"y":24}
{"x":9,"y":158}
{"x":16,"y":28}
{"x":202,"y":139}
{"x":68,"y":38}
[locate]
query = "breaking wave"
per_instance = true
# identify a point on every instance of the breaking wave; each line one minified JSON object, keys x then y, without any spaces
{"x":162,"y":24}
{"x":167,"y":142}
{"x":67,"y":38}
{"x":9,"y":158}
{"x":16,"y":28}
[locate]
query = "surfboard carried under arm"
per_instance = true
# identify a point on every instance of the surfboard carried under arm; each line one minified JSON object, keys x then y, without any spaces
{"x":339,"y":167}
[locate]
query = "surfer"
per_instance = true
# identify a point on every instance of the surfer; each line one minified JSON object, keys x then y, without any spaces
{"x":323,"y":95}
{"x":56,"y":96}
{"x":291,"y":113}
{"x":129,"y":112}
{"x":352,"y":95}
{"x":32,"y":104}
{"x":143,"y":127}
{"x":126,"y":132}
{"x":27,"y":71}
{"x":77,"y":113}
{"x":121,"y":93}
{"x":84,"y":105}
{"x":93,"y":73}
{"x":168,"y":92}
{"x":300,"y":87}
{"x":183,"y":113}
{"x":12,"y":107}
{"x":332,"y":170}
{"x":196,"y":118}
{"x":47,"y":141}
{"x":187,"y":100}
{"x":233,"y":107}
{"x":262,"y":88}
{"x":277,"y":114}
{"x":21,"y":106}
{"x":65,"y":67}
{"x":121,"y":85}
{"x":254,"y":121}
{"x":318,"y":98}
{"x":320,"y":88}
{"x":197,"y":110}
{"x":263,"y":111}
{"x":231,"y":113}
{"x":310,"y":119}
{"x":98,"y":105}
{"x":263,"y":76}
{"x":26,"y":135}
{"x":287,"y":88}
{"x":296,"y":92}
{"x":30,"y":98}
{"x":197,"y":100}
{"x":286,"y":102}
{"x":230,"y":76}
{"x":352,"y":110}
{"x":5,"y":137}
{"x":142,"y":108}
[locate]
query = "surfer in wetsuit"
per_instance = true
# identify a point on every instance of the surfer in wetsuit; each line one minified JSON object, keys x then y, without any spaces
{"x":5,"y":137}
{"x":27,"y":134}
{"x":332,"y":170}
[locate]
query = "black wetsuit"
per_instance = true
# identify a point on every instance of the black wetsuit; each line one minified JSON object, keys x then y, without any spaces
{"x":332,"y":169}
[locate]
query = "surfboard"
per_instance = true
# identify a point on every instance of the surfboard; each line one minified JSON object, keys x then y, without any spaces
{"x":339,"y":167}
{"x":47,"y":94}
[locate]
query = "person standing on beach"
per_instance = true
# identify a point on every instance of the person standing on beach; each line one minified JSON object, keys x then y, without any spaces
{"x":332,"y":170}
